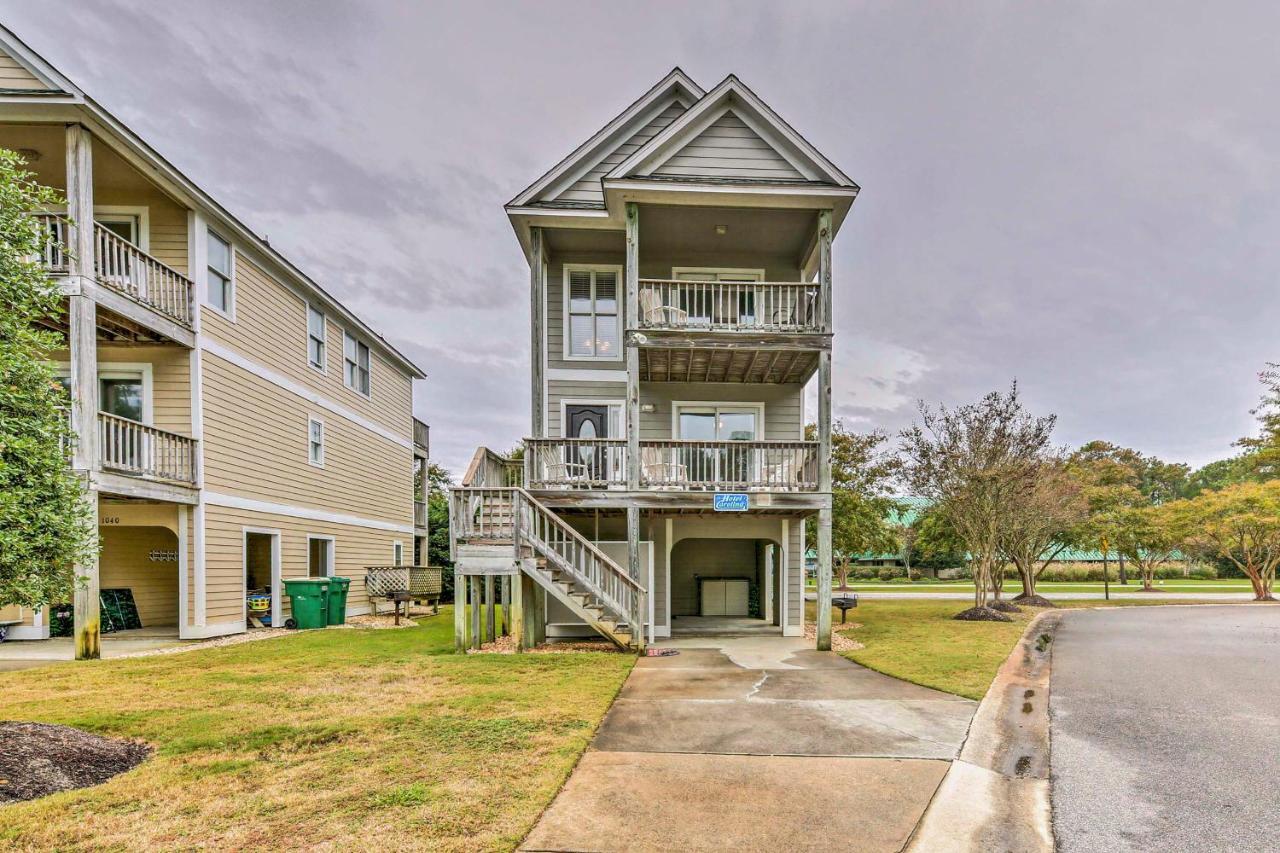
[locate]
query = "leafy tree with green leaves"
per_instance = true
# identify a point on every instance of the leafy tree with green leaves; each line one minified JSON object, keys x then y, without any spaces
{"x":862,"y":472}
{"x":437,"y":491}
{"x":1219,"y":474}
{"x":45,"y":524}
{"x":974,"y":463}
{"x":1240,"y":523}
{"x":1262,"y":452}
{"x":1043,"y":522}
{"x":1149,"y":536}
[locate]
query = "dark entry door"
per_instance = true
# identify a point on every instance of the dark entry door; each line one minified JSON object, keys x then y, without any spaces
{"x":587,"y":459}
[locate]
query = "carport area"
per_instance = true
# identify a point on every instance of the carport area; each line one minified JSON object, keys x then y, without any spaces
{"x":28,"y":654}
{"x":757,"y":743}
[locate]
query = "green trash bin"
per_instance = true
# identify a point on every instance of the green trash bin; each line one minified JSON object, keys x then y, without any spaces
{"x":309,"y":600}
{"x":338,"y":600}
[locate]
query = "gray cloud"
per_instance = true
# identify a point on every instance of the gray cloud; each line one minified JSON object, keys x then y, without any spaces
{"x":1081,"y":196}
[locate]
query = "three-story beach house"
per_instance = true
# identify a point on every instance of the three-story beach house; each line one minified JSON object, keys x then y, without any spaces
{"x":236,"y":425}
{"x":681,"y":300}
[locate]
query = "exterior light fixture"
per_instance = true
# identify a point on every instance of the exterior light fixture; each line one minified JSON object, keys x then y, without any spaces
{"x":722,"y":229}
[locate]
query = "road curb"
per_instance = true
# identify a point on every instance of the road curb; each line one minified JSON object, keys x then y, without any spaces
{"x":995,"y":796}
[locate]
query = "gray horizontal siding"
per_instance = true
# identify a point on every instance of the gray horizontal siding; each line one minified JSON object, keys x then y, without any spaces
{"x":782,"y":405}
{"x":558,"y":390}
{"x":587,"y":188}
{"x":729,"y":149}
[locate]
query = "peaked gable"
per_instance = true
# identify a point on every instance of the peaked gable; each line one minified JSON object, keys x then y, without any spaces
{"x":710,"y":124}
{"x":728,"y":148}
{"x":575,"y":180}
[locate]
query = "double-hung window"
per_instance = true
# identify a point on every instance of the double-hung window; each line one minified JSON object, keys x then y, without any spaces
{"x":315,"y":337}
{"x":315,"y":442}
{"x":221,"y":284}
{"x":594,"y":322}
{"x":355,"y":364}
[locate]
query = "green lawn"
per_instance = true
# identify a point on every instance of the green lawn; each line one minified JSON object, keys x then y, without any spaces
{"x":338,"y":739}
{"x":1012,"y":588}
{"x":918,"y":641}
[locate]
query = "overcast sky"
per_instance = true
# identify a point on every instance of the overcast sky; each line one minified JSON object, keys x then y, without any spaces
{"x":1084,"y":196}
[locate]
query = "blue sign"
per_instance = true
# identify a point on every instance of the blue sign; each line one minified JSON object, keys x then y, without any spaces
{"x":729,"y":502}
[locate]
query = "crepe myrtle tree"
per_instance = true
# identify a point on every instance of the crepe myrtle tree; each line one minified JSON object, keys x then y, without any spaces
{"x":1044,"y":521}
{"x":1150,"y":536}
{"x":973,"y":463}
{"x":45,"y":525}
{"x":1240,"y":523}
{"x":862,"y":472}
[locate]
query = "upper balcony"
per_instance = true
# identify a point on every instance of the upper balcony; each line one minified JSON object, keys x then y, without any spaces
{"x":139,"y":289}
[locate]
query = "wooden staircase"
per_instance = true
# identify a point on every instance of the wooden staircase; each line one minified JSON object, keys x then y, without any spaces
{"x":494,"y":527}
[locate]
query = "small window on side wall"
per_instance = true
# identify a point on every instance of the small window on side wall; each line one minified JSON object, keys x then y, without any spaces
{"x":221,"y":286}
{"x":315,"y":442}
{"x":397,"y":553}
{"x":355,"y":364}
{"x":315,"y":337}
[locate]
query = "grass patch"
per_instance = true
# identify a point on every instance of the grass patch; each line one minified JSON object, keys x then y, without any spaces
{"x":918,"y":641}
{"x":324,"y":739}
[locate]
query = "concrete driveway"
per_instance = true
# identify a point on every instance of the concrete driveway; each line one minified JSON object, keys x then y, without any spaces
{"x":757,"y":743}
{"x":1166,"y":725}
{"x":29,"y":654}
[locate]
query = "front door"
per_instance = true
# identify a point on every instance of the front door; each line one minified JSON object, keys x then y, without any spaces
{"x":586,"y":460}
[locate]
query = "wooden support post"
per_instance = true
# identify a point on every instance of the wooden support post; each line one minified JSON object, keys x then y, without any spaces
{"x":824,"y":441}
{"x":490,"y":605}
{"x":538,"y":615}
{"x":633,"y":569}
{"x":516,"y":625}
{"x":476,"y":604}
{"x":632,"y":321}
{"x":459,"y":612}
{"x":766,"y":593}
{"x":538,"y":341}
{"x":83,"y":342}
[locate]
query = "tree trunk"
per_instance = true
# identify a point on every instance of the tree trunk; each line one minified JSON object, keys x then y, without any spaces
{"x":1026,"y":570}
{"x":1124,"y":578}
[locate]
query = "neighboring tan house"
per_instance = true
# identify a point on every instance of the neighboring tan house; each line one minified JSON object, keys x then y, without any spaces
{"x":236,"y":424}
{"x":680,"y":272}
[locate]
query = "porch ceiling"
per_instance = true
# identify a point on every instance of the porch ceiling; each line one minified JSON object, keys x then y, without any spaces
{"x":727,"y":365}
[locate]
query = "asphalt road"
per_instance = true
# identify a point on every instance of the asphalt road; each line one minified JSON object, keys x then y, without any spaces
{"x":1165,"y":726}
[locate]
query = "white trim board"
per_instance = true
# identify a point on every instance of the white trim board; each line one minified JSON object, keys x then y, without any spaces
{"x":309,"y":513}
{"x":227,"y":354}
{"x":583,"y":374}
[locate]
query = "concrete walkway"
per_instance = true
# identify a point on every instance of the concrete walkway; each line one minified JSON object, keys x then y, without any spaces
{"x":757,"y":743}
{"x":28,"y":654}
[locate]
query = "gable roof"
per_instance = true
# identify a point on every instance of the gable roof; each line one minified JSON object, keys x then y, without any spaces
{"x":63,"y":96}
{"x":682,"y":148}
{"x":575,"y":180}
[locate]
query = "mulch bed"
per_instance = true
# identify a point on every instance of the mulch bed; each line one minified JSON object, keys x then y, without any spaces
{"x":37,"y":759}
{"x":1005,"y":606}
{"x":1033,"y":601}
{"x":982,"y":614}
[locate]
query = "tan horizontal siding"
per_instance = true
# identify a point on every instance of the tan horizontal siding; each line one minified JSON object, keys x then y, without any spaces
{"x":354,"y":549}
{"x":126,"y":564}
{"x":14,"y":76}
{"x":170,"y":379}
{"x":255,"y":445}
{"x":271,"y":330}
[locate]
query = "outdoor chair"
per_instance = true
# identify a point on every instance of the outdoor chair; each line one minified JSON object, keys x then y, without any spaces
{"x":661,"y":472}
{"x":657,"y":314}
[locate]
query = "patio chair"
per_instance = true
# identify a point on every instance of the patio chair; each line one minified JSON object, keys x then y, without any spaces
{"x":661,"y":471}
{"x":558,"y":470}
{"x":802,"y":312}
{"x":656,"y":314}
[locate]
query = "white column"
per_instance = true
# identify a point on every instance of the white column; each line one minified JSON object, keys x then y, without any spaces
{"x":538,"y":333}
{"x":198,"y":271}
{"x":824,"y":442}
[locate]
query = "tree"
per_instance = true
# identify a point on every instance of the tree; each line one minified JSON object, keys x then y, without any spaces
{"x":1240,"y":523}
{"x":861,"y":474}
{"x":1149,"y":536}
{"x":1216,"y":475}
{"x":1262,"y":453}
{"x":45,"y":524}
{"x":1042,"y":523}
{"x":437,"y":488}
{"x":973,"y":463}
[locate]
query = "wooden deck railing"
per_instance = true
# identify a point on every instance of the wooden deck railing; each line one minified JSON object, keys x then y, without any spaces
{"x":143,"y":451}
{"x":122,"y":266}
{"x":575,"y":463}
{"x":673,"y":465}
{"x":421,"y":435}
{"x":756,"y":306}
{"x":419,"y":513}
{"x":54,"y":256}
{"x":493,"y":470}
